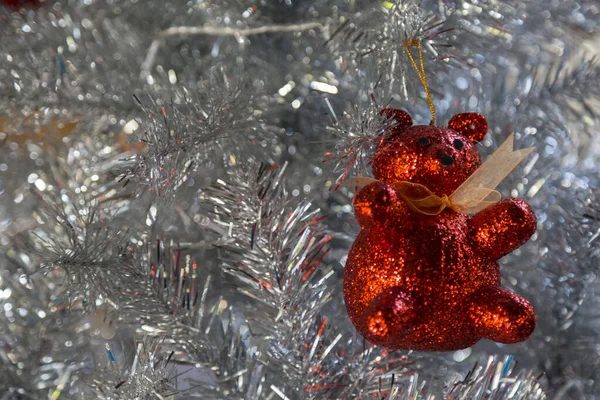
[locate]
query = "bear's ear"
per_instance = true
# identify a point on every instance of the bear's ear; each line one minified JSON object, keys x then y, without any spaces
{"x":471,"y":125}
{"x":403,"y":120}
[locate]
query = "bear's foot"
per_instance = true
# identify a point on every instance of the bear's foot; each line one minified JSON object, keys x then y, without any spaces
{"x":390,"y":315}
{"x":501,"y":315}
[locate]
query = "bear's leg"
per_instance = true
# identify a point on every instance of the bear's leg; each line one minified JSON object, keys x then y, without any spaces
{"x":390,"y":315}
{"x":501,"y":315}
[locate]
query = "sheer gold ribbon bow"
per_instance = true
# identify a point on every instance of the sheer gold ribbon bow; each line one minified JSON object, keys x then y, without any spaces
{"x":476,"y":194}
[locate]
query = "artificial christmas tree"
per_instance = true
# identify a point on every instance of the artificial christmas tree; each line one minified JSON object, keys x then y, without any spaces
{"x":170,"y":230}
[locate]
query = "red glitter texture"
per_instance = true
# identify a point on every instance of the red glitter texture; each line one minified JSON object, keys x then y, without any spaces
{"x":432,"y":283}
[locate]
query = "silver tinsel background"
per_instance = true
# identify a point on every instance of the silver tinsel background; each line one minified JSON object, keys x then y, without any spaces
{"x":168,"y":227}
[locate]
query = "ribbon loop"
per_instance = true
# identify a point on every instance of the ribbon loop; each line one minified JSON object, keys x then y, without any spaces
{"x":419,"y":198}
{"x":483,"y":182}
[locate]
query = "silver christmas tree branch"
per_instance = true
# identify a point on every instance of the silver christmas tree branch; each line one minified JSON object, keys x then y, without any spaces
{"x":38,"y":354}
{"x":104,"y":266}
{"x":496,"y":380}
{"x":276,"y":255}
{"x":356,"y":136}
{"x":183,"y":31}
{"x":372,"y":41}
{"x":227,"y":31}
{"x":189,"y":132}
{"x":280,"y":244}
{"x":385,"y":28}
{"x":81,"y":242}
{"x":145,"y":374}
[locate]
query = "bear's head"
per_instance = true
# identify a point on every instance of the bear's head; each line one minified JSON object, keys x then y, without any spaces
{"x":439,"y":158}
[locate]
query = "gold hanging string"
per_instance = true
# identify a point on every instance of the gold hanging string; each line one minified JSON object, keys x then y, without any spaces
{"x":420,"y":72}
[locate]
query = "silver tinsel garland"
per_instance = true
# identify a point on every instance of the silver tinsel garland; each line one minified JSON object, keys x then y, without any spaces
{"x":153,"y":249}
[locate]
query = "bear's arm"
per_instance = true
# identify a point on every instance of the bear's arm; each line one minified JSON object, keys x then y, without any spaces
{"x":502,"y":228}
{"x":378,"y":203}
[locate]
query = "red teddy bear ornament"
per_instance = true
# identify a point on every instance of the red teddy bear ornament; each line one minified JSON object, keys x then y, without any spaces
{"x":432,"y":282}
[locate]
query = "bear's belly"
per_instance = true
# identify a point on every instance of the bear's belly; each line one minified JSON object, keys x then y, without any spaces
{"x":442,"y":267}
{"x":436,"y":265}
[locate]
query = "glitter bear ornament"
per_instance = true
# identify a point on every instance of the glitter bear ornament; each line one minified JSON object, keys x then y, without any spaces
{"x":432,"y":282}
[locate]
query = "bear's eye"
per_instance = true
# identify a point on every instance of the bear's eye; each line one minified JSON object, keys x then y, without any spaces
{"x":424,"y":141}
{"x":458,"y":144}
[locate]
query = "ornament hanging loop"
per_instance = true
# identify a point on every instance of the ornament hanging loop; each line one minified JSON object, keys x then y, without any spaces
{"x":420,"y":72}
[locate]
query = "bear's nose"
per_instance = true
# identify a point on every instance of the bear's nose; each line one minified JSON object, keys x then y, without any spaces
{"x":447,"y":160}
